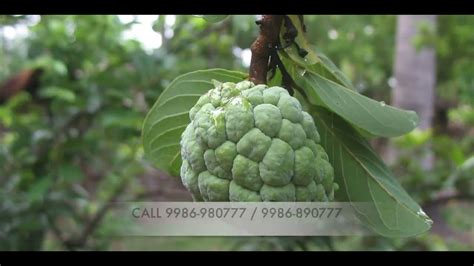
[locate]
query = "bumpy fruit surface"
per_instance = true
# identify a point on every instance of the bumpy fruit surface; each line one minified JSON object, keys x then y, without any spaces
{"x":253,"y":143}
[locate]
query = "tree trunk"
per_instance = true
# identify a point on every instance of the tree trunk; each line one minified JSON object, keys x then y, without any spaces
{"x":415,"y":75}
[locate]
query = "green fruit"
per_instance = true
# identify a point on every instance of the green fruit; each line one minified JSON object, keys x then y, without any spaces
{"x":253,"y":143}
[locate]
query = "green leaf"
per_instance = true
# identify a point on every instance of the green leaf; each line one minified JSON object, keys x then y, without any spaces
{"x":276,"y":80}
{"x":363,"y":177}
{"x":39,"y":188}
{"x":377,"y":118}
{"x":169,"y":116}
{"x":58,"y":93}
{"x":332,"y":71}
{"x":327,"y":86}
{"x":213,"y":18}
{"x":315,"y":61}
{"x":70,"y":172}
{"x":121,"y":118}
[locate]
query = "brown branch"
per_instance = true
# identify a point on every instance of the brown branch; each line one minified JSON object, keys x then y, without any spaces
{"x":57,"y":232}
{"x":92,"y":224}
{"x":440,"y":226}
{"x":27,"y":80}
{"x":158,"y":192}
{"x":261,"y":48}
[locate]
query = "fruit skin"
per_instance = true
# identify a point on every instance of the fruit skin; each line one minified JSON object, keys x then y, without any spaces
{"x":253,"y":143}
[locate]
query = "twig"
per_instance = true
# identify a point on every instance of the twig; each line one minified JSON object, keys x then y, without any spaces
{"x":151,"y":193}
{"x":444,"y":198}
{"x":261,"y":48}
{"x":57,"y":232}
{"x":91,"y":226}
{"x":287,"y":81}
{"x":440,"y":226}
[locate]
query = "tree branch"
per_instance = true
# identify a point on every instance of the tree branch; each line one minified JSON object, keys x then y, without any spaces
{"x":447,"y":197}
{"x":441,"y":227}
{"x":77,"y":242}
{"x":261,"y":48}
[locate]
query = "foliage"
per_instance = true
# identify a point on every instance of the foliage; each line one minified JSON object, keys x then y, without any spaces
{"x":80,"y":104}
{"x":75,"y":145}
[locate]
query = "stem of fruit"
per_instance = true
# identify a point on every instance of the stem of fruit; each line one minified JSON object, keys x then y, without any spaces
{"x":262,"y":47}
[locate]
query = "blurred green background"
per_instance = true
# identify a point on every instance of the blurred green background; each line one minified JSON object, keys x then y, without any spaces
{"x":74,"y":91}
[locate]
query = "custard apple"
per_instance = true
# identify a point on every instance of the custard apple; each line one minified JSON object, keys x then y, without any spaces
{"x":253,"y":143}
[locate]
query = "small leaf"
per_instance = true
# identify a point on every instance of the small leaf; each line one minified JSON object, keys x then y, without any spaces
{"x":214,"y":18}
{"x":39,"y":188}
{"x":120,"y":118}
{"x":276,"y":80}
{"x":377,"y":118}
{"x":363,"y":177}
{"x":58,"y":93}
{"x":70,"y":172}
{"x":169,"y":116}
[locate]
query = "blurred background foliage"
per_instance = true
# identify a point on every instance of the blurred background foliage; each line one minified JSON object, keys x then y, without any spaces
{"x":75,"y":90}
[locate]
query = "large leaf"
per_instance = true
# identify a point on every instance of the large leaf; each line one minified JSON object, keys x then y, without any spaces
{"x":376,"y":118}
{"x":363,"y":177}
{"x":169,"y":117}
